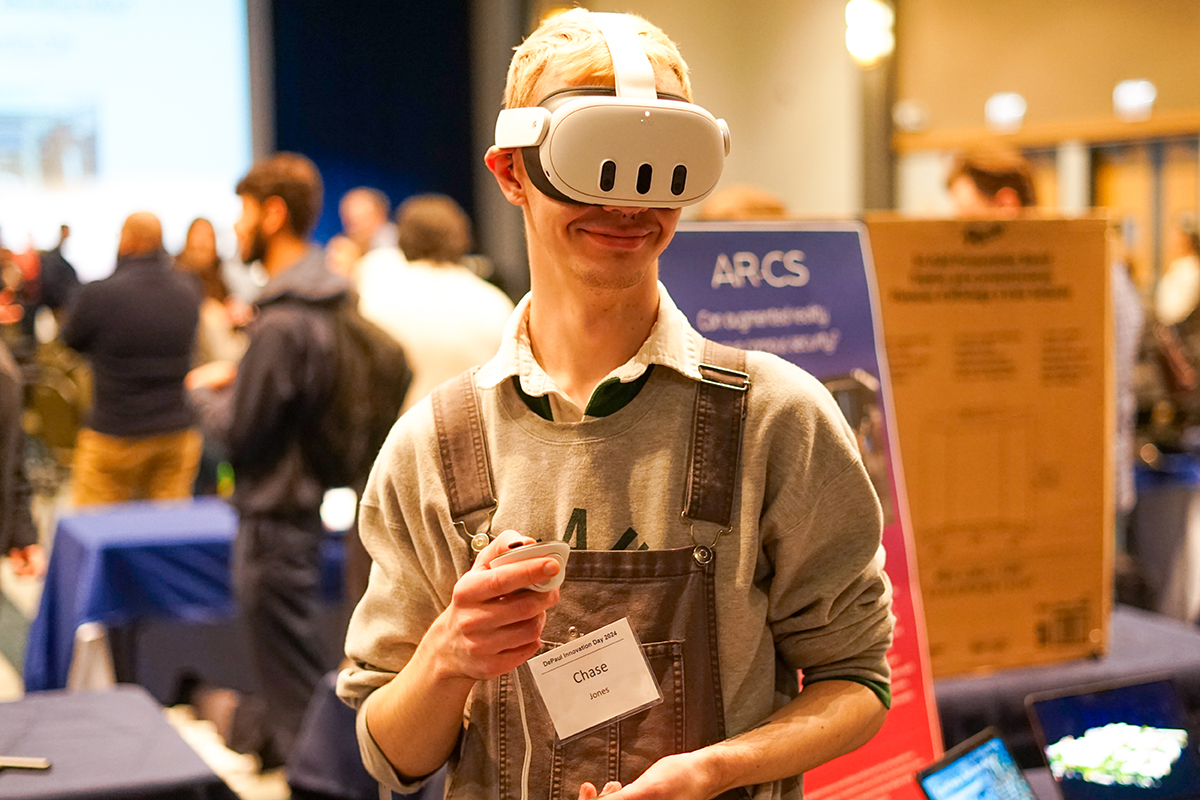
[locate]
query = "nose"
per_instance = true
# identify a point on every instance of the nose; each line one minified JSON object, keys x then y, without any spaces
{"x":627,"y":211}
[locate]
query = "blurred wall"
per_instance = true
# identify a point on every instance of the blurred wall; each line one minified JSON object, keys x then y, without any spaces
{"x":779,"y":74}
{"x":403,"y":96}
{"x":1063,"y":57}
{"x":377,"y":92}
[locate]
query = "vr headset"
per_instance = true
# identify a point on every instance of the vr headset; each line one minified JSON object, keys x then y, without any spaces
{"x":634,"y":147}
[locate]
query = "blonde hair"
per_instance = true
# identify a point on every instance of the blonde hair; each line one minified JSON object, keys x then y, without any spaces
{"x":575,"y":44}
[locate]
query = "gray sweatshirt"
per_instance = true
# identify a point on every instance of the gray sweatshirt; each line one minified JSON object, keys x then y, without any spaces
{"x":800,"y":584}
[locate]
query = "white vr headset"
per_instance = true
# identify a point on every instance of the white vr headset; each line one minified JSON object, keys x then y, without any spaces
{"x":632,"y":148}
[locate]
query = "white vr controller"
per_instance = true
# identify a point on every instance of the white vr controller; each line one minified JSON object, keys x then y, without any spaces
{"x":629,"y":148}
{"x":559,"y":551}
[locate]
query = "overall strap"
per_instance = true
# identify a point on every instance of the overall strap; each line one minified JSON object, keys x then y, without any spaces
{"x":717,"y":435}
{"x":466,"y":468}
{"x":716,"y":445}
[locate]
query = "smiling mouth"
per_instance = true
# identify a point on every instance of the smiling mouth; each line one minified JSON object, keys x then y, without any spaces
{"x":620,"y":239}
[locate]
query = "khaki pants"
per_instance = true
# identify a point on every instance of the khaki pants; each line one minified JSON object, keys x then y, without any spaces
{"x":116,"y":469}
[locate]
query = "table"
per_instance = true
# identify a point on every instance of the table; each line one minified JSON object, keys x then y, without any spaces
{"x":110,"y":744}
{"x":133,"y":562}
{"x":325,"y":762}
{"x":1161,"y":537}
{"x":1142,"y":643}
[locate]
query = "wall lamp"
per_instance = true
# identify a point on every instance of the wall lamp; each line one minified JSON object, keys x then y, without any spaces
{"x":869,"y":34}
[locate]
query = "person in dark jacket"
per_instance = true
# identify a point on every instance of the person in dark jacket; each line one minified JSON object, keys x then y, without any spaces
{"x":18,"y":536}
{"x":58,"y":279}
{"x":137,"y":329}
{"x":261,"y":410}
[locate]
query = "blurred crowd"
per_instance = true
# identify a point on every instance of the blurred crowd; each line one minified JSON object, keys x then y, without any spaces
{"x":192,"y":373}
{"x":200,"y":373}
{"x":412,"y":269}
{"x":94,"y":405}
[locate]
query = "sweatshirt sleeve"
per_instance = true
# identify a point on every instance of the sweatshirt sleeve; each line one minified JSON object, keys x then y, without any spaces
{"x":844,"y":630}
{"x":829,"y":599}
{"x":413,"y":573}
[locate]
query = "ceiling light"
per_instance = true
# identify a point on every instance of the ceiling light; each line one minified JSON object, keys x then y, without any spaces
{"x":869,"y":35}
{"x":1134,"y":100}
{"x":1004,"y":112}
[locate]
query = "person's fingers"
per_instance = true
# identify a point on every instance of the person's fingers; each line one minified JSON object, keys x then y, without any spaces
{"x":504,"y":586}
{"x":610,"y":787}
{"x":496,"y":664}
{"x":587,"y":791}
{"x":501,"y":544}
{"x":509,"y":578}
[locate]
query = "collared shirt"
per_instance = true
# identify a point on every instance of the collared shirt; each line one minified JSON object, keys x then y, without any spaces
{"x":672,"y":343}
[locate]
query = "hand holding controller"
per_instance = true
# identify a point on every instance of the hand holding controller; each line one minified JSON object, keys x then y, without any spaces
{"x":556,"y":550}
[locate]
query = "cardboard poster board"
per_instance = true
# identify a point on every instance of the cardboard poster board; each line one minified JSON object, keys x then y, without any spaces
{"x":805,"y":292}
{"x":997,"y":337}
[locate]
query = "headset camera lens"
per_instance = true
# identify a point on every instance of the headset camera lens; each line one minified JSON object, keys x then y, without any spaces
{"x":678,"y":180}
{"x":608,"y":176}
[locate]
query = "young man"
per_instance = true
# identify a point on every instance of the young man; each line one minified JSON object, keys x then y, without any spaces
{"x":588,"y":414}
{"x":261,"y":410}
{"x":990,"y":183}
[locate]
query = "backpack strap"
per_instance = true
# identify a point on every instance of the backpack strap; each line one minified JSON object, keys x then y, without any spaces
{"x":716,"y":446}
{"x":466,"y":467}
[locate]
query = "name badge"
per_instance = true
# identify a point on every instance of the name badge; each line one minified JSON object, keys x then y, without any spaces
{"x":594,"y":680}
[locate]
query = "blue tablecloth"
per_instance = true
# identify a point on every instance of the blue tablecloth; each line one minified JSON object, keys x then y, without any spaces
{"x":118,"y":564}
{"x":1173,"y":469}
{"x":1164,"y":534}
{"x":109,"y":745}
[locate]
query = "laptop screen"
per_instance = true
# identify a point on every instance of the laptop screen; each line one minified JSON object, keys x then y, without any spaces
{"x":980,"y":768}
{"x":1114,"y":742}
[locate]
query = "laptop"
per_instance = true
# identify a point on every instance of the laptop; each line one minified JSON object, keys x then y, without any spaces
{"x":981,"y":768}
{"x":1117,"y":740}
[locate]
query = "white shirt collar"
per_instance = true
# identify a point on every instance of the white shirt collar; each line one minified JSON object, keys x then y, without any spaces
{"x":672,"y":343}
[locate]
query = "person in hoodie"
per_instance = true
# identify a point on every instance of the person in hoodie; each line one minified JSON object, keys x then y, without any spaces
{"x":260,"y":410}
{"x":137,"y":329}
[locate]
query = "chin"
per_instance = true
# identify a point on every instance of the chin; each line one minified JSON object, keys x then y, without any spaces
{"x":621,"y":276}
